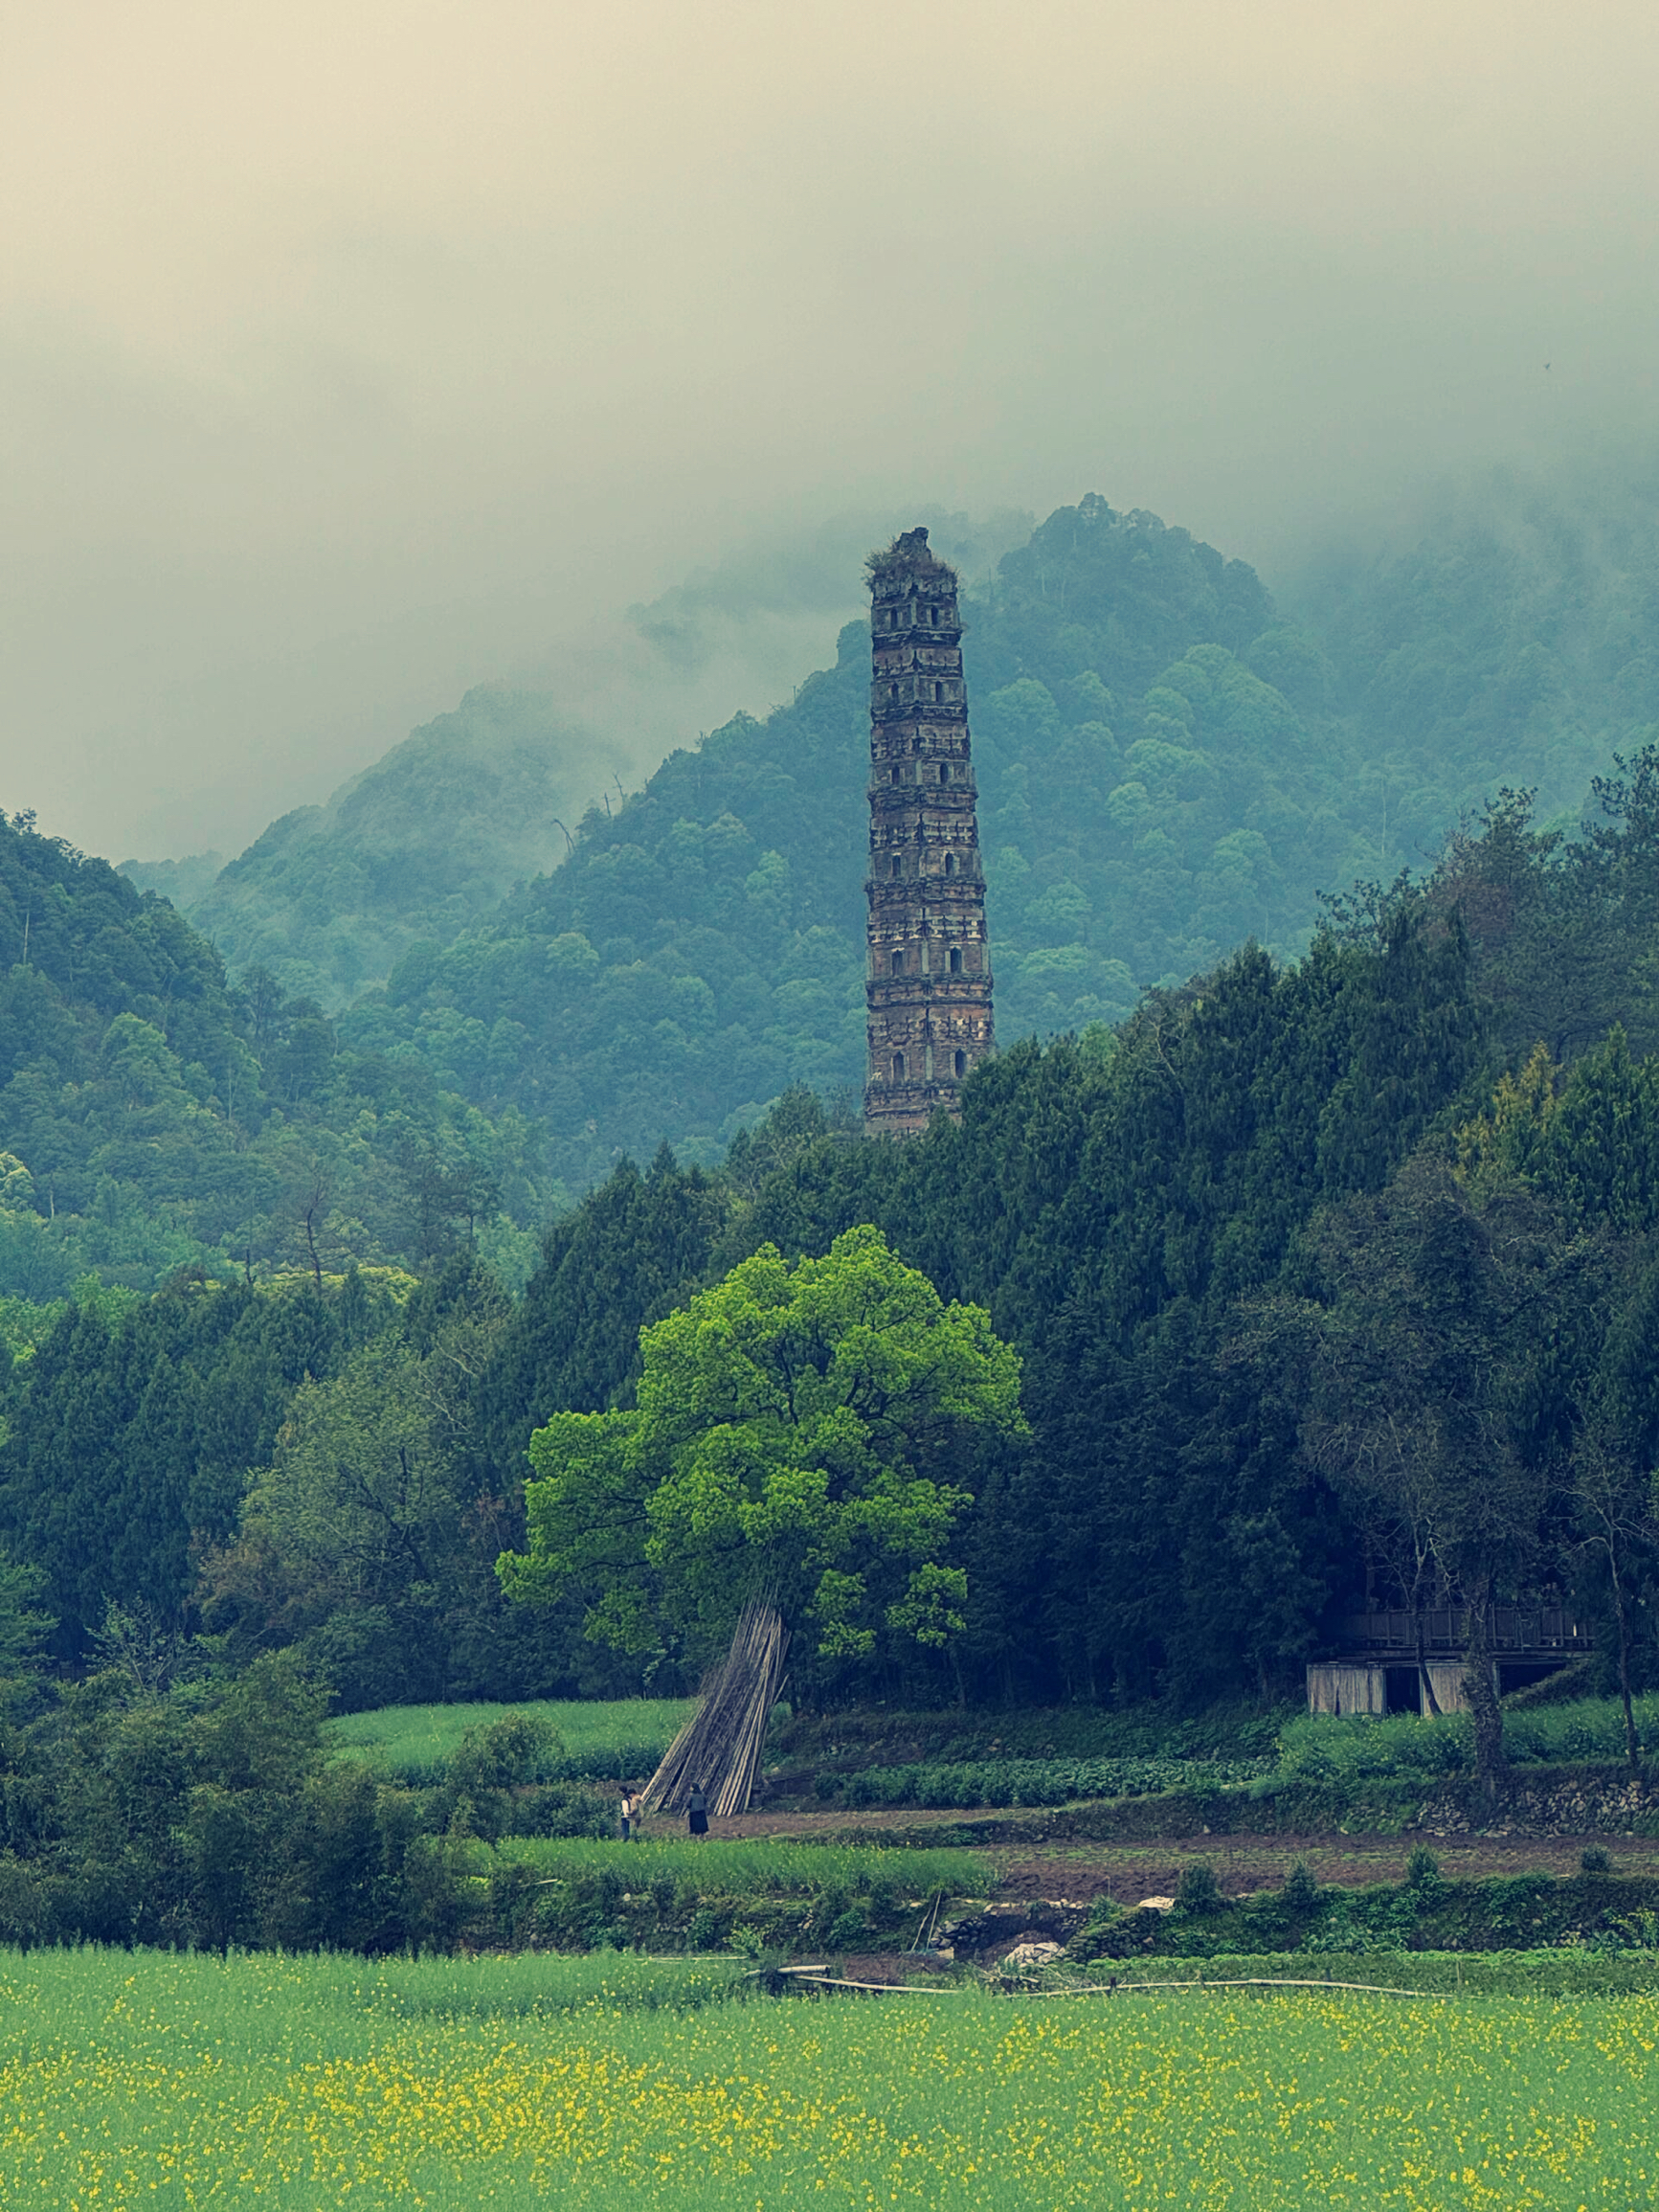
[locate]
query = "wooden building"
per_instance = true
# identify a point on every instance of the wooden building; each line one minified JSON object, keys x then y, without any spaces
{"x":1379,"y":1673}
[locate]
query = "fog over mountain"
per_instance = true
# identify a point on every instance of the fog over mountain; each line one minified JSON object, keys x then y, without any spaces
{"x":348,"y":362}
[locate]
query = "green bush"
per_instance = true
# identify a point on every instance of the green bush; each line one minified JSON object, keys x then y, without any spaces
{"x":560,"y":1809}
{"x":1587,"y":1729}
{"x":1319,"y":1748}
{"x":1423,"y":1872}
{"x":1198,"y":1890}
{"x":1301,"y":1892}
{"x":1515,"y":1913}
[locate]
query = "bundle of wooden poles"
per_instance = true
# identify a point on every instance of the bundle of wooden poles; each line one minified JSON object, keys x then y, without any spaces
{"x":720,"y":1747}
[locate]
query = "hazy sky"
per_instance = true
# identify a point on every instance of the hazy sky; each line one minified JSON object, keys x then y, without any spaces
{"x":352,"y":353}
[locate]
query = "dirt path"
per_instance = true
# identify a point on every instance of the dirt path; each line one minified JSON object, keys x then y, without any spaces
{"x":1130,"y":1872}
{"x":840,"y":1822}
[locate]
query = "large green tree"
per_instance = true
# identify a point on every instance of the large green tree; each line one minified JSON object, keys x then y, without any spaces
{"x":798,"y":1430}
{"x":1441,"y":1367}
{"x":368,"y":1540}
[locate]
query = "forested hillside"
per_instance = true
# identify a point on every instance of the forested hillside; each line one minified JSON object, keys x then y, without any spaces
{"x":1329,"y":1278}
{"x":1166,"y":768}
{"x":703,"y":948}
{"x":1511,"y":638}
{"x":422,"y":845}
{"x":153,"y":1117}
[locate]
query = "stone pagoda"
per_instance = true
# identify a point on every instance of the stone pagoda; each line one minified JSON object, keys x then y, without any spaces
{"x":929,"y":964}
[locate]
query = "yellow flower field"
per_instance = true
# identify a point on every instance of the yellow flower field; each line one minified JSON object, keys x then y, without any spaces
{"x":147,"y":2080}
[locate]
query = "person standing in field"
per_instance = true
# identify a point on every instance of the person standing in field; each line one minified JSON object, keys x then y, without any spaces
{"x":625,"y":1817}
{"x":697,"y":1811}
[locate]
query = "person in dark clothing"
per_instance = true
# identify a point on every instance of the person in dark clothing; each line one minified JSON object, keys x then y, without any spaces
{"x":697,"y":1811}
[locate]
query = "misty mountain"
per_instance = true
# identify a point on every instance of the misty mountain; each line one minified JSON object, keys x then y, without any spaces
{"x":420,"y":846}
{"x":179,"y":882}
{"x":1511,"y":638}
{"x":1166,"y":766}
{"x":1151,"y":793}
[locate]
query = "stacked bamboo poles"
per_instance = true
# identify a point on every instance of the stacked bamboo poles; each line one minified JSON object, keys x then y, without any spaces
{"x":721,"y":1742}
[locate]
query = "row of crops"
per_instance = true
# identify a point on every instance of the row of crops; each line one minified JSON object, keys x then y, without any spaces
{"x":1027,"y":1781}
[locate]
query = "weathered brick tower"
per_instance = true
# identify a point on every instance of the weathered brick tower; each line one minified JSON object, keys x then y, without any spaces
{"x":929,"y":965}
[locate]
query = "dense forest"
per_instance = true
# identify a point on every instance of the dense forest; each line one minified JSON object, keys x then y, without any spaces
{"x":283,"y":1296}
{"x":1166,"y":768}
{"x":1325,"y":1277}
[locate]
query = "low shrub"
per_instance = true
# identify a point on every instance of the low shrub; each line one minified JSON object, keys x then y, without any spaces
{"x":1423,"y":1872}
{"x":1301,"y":1892}
{"x":678,"y":1894}
{"x":1586,"y":1729}
{"x":556,"y":1809}
{"x":706,"y":1929}
{"x":1513,"y":1912}
{"x":1198,"y":1890}
{"x":1317,"y":1748}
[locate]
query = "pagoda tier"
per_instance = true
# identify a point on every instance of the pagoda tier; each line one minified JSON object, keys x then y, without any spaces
{"x":929,"y":987}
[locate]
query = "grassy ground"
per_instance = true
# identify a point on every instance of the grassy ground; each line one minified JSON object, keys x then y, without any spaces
{"x":625,"y":1737}
{"x":875,"y":1758}
{"x":676,"y":1894}
{"x":130,"y":2079}
{"x":760,"y":1870}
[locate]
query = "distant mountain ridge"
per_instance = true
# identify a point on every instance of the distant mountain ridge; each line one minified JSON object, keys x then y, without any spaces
{"x":420,"y":847}
{"x":1167,"y":766}
{"x":154,"y":1118}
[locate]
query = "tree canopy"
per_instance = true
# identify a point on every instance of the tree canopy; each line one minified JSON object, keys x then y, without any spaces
{"x":800,"y":1430}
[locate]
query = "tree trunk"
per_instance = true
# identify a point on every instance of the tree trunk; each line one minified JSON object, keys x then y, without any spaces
{"x":1633,"y":1747}
{"x":1423,"y":1674}
{"x":1480,"y":1686}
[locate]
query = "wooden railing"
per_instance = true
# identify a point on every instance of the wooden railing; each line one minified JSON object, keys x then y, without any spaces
{"x":1515,"y":1628}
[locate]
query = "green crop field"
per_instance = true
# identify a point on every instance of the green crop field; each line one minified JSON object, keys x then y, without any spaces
{"x":132,"y":2079}
{"x":624,"y":1737}
{"x":767,"y":1867}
